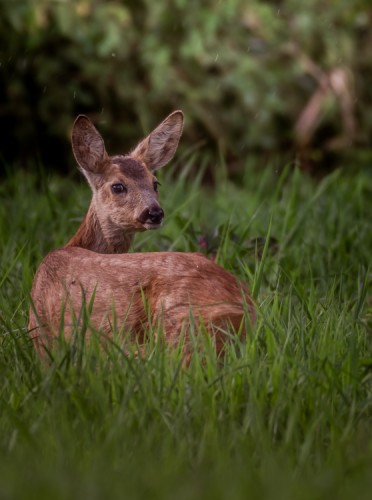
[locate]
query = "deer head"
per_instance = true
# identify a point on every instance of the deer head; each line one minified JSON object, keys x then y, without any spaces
{"x":125,"y":188}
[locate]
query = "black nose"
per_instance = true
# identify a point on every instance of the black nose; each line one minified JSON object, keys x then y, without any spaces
{"x":152,"y":215}
{"x":156,"y":215}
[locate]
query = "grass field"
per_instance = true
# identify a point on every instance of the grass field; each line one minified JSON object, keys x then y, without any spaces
{"x":286,"y":415}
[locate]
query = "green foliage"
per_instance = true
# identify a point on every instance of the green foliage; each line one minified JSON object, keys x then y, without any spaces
{"x":242,"y":72}
{"x":287,"y":414}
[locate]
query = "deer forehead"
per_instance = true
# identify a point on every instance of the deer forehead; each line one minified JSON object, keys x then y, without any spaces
{"x":132,"y":171}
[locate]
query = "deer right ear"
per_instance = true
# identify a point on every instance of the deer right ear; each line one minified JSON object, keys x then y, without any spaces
{"x":158,"y":148}
{"x":87,"y":145}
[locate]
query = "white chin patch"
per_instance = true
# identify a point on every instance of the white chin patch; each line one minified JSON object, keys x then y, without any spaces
{"x":147,"y":225}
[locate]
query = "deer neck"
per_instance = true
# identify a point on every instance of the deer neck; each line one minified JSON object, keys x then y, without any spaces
{"x":93,"y":236}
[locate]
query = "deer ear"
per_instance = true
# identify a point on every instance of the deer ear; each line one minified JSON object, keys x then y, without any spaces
{"x":87,"y":145}
{"x":158,"y":148}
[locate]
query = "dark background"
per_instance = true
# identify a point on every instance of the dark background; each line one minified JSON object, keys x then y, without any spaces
{"x":269,"y":80}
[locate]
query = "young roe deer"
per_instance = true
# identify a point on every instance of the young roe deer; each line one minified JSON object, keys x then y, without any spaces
{"x":129,"y":290}
{"x":124,"y":187}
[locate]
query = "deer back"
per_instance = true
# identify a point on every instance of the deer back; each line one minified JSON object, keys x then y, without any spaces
{"x":131,"y":290}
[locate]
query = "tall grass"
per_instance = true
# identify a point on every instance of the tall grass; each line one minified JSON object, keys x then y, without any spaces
{"x":286,"y":414}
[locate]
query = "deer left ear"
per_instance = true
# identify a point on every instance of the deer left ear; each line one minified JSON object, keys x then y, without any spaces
{"x":158,"y":148}
{"x":87,"y":145}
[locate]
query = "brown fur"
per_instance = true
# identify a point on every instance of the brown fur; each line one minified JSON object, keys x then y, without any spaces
{"x":174,"y":284}
{"x":113,"y":219}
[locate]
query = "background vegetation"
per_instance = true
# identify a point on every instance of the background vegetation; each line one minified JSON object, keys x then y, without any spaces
{"x":252,"y":77}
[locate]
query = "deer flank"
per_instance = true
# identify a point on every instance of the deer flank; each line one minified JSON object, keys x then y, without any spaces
{"x":129,"y":289}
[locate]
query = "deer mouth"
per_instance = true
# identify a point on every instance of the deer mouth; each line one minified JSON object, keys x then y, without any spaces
{"x":152,"y":218}
{"x":152,"y":225}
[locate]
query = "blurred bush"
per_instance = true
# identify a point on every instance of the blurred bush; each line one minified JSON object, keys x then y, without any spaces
{"x":252,"y":77}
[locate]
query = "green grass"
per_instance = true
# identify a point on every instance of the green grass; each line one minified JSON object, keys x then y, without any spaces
{"x":287,"y":414}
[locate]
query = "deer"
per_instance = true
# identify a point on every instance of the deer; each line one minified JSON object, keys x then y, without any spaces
{"x":174,"y":292}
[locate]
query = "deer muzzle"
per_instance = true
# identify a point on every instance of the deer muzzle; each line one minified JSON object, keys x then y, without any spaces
{"x":152,"y":217}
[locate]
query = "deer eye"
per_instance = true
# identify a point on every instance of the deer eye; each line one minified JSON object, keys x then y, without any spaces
{"x":118,"y":188}
{"x":156,"y":186}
